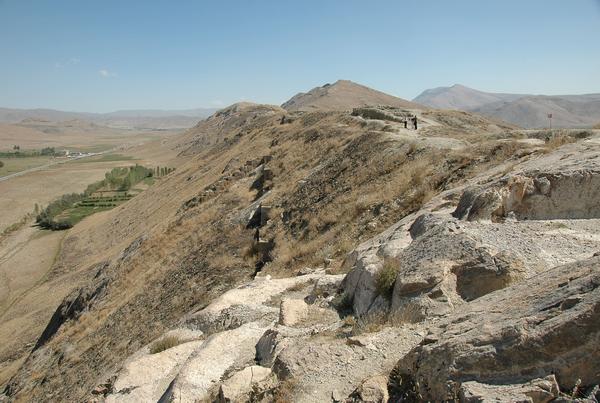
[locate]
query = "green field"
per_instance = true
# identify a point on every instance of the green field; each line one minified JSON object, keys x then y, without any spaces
{"x":92,"y":205}
{"x":14,"y":165}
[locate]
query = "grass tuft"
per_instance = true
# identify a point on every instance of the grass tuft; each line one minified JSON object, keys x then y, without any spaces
{"x":386,"y":277}
{"x":165,"y":343}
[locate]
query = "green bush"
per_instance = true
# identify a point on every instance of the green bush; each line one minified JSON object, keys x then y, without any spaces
{"x":386,"y":277}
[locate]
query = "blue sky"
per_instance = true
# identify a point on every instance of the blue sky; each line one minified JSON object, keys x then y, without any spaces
{"x":105,"y":55}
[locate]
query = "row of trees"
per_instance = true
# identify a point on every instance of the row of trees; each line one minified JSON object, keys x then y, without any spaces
{"x":47,"y":217}
{"x":125,"y":178}
{"x":17,"y":153}
{"x":119,"y":179}
{"x":162,"y":171}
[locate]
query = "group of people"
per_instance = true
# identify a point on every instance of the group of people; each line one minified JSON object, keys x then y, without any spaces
{"x":413,"y":122}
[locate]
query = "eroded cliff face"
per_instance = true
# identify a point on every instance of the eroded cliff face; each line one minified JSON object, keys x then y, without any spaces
{"x":228,"y":280}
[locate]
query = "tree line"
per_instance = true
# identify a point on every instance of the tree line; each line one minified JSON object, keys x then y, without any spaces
{"x":118,"y":179}
{"x":162,"y":171}
{"x":17,"y":153}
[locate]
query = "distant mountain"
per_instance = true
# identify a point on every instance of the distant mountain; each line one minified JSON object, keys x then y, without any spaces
{"x":51,"y":115}
{"x":529,"y":111}
{"x":161,"y":113}
{"x":142,"y":119}
{"x":344,"y":95}
{"x":461,"y":97}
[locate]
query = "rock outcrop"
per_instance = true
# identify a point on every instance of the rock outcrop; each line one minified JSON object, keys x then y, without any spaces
{"x":500,"y":233}
{"x":546,"y":326}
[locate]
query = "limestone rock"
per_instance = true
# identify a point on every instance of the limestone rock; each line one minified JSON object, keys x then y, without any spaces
{"x":536,"y":391}
{"x":145,"y":377}
{"x":555,"y":194}
{"x":244,"y":304}
{"x":292,"y":311}
{"x":236,"y":388}
{"x":545,"y":325}
{"x":371,"y":390}
{"x":211,"y":360}
{"x":322,"y":367}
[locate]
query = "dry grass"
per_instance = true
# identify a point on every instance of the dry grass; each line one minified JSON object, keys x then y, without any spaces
{"x":285,"y":391}
{"x":558,"y":140}
{"x":385,"y":278}
{"x":370,"y":323}
{"x":375,"y":321}
{"x":165,"y":343}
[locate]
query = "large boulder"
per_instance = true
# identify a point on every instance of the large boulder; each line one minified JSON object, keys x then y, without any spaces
{"x":546,"y":325}
{"x":209,"y":363}
{"x":245,"y":304}
{"x":324,"y":367}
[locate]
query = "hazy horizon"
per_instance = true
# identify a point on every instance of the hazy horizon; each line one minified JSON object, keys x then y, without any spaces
{"x":111,"y":56}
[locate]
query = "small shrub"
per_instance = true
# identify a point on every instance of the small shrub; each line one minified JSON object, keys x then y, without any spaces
{"x":370,"y":323}
{"x":165,"y":343}
{"x":386,"y":277}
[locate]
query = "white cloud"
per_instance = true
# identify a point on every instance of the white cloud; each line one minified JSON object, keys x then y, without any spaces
{"x":65,"y":63}
{"x":106,"y":74}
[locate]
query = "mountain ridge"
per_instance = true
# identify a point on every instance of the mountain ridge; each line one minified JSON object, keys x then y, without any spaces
{"x":525,"y":110}
{"x":141,"y":118}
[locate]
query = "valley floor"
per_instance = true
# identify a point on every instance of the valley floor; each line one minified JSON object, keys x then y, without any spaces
{"x":29,"y":291}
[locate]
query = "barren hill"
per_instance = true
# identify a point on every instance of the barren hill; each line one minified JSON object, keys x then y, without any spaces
{"x":460,"y":97}
{"x":343,"y":95}
{"x":532,"y":111}
{"x":529,"y":111}
{"x":320,"y":256}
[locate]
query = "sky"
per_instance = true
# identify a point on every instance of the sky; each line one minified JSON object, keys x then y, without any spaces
{"x":100,"y":56}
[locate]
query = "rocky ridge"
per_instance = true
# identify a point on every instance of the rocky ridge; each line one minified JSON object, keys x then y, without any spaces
{"x":474,"y":278}
{"x":495,"y":299}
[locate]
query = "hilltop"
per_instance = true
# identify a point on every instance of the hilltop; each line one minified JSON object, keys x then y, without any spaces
{"x":524,"y":110}
{"x":319,"y":254}
{"x":343,"y":95}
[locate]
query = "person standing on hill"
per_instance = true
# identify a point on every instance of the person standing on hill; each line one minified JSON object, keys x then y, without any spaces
{"x":415,"y":122}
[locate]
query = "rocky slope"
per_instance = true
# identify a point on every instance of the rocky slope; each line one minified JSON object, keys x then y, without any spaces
{"x":329,"y":256}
